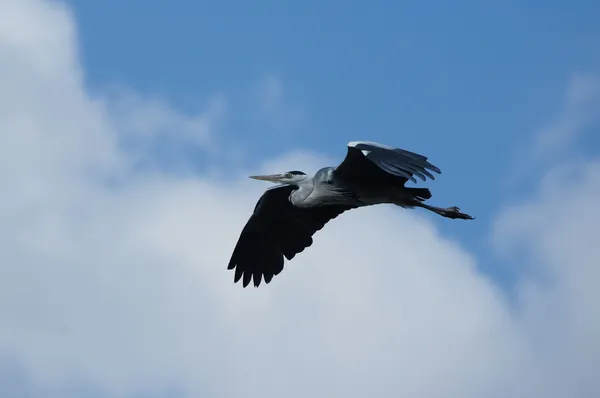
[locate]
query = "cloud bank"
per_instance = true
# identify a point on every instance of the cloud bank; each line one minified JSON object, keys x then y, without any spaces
{"x":113,"y":280}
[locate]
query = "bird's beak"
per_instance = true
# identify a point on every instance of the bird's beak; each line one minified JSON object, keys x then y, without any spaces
{"x":272,"y":177}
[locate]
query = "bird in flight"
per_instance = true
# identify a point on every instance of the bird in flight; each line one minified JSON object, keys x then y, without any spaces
{"x":288,"y":215}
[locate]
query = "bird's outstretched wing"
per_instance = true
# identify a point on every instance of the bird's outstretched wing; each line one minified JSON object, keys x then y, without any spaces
{"x":276,"y":229}
{"x":370,"y":162}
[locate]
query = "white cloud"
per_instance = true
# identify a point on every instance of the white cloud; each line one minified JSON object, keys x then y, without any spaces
{"x":151,"y":118}
{"x":556,"y":142}
{"x":561,"y":307}
{"x":275,"y":107}
{"x":581,"y":109}
{"x":123,"y":286}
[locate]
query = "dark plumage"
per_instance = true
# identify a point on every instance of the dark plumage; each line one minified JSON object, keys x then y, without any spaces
{"x":276,"y":229}
{"x":286,"y":217}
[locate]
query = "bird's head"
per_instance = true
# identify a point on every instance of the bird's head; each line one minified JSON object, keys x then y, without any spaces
{"x":287,"y":178}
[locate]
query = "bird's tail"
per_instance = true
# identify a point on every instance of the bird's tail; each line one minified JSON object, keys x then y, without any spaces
{"x":421,"y":194}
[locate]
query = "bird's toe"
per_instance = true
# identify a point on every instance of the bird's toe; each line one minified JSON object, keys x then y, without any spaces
{"x":454,"y":212}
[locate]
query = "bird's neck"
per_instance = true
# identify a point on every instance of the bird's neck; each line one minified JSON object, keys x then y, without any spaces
{"x":299,"y":195}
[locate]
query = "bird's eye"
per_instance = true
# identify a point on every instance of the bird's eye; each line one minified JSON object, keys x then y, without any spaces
{"x":288,"y":175}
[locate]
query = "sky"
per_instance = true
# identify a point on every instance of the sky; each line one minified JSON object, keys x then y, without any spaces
{"x":128,"y":130}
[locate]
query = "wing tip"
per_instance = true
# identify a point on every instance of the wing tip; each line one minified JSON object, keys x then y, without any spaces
{"x":434,"y":168}
{"x":428,"y":165}
{"x":246,"y":277}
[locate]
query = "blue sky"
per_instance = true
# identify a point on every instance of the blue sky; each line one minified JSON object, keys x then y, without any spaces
{"x":119,"y":289}
{"x":465,"y":83}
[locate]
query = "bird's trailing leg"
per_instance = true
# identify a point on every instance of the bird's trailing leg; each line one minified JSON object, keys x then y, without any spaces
{"x":449,"y":212}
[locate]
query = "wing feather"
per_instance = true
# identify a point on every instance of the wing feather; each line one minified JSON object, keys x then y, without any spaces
{"x":370,"y":162}
{"x":276,"y":230}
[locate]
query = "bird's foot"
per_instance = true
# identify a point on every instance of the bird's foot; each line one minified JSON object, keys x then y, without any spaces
{"x":454,"y":212}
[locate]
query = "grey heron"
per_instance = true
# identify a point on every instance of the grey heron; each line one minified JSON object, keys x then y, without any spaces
{"x":287,"y":216}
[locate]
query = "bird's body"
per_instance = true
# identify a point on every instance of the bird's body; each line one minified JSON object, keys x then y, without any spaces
{"x":287,"y":216}
{"x":328,"y":188}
